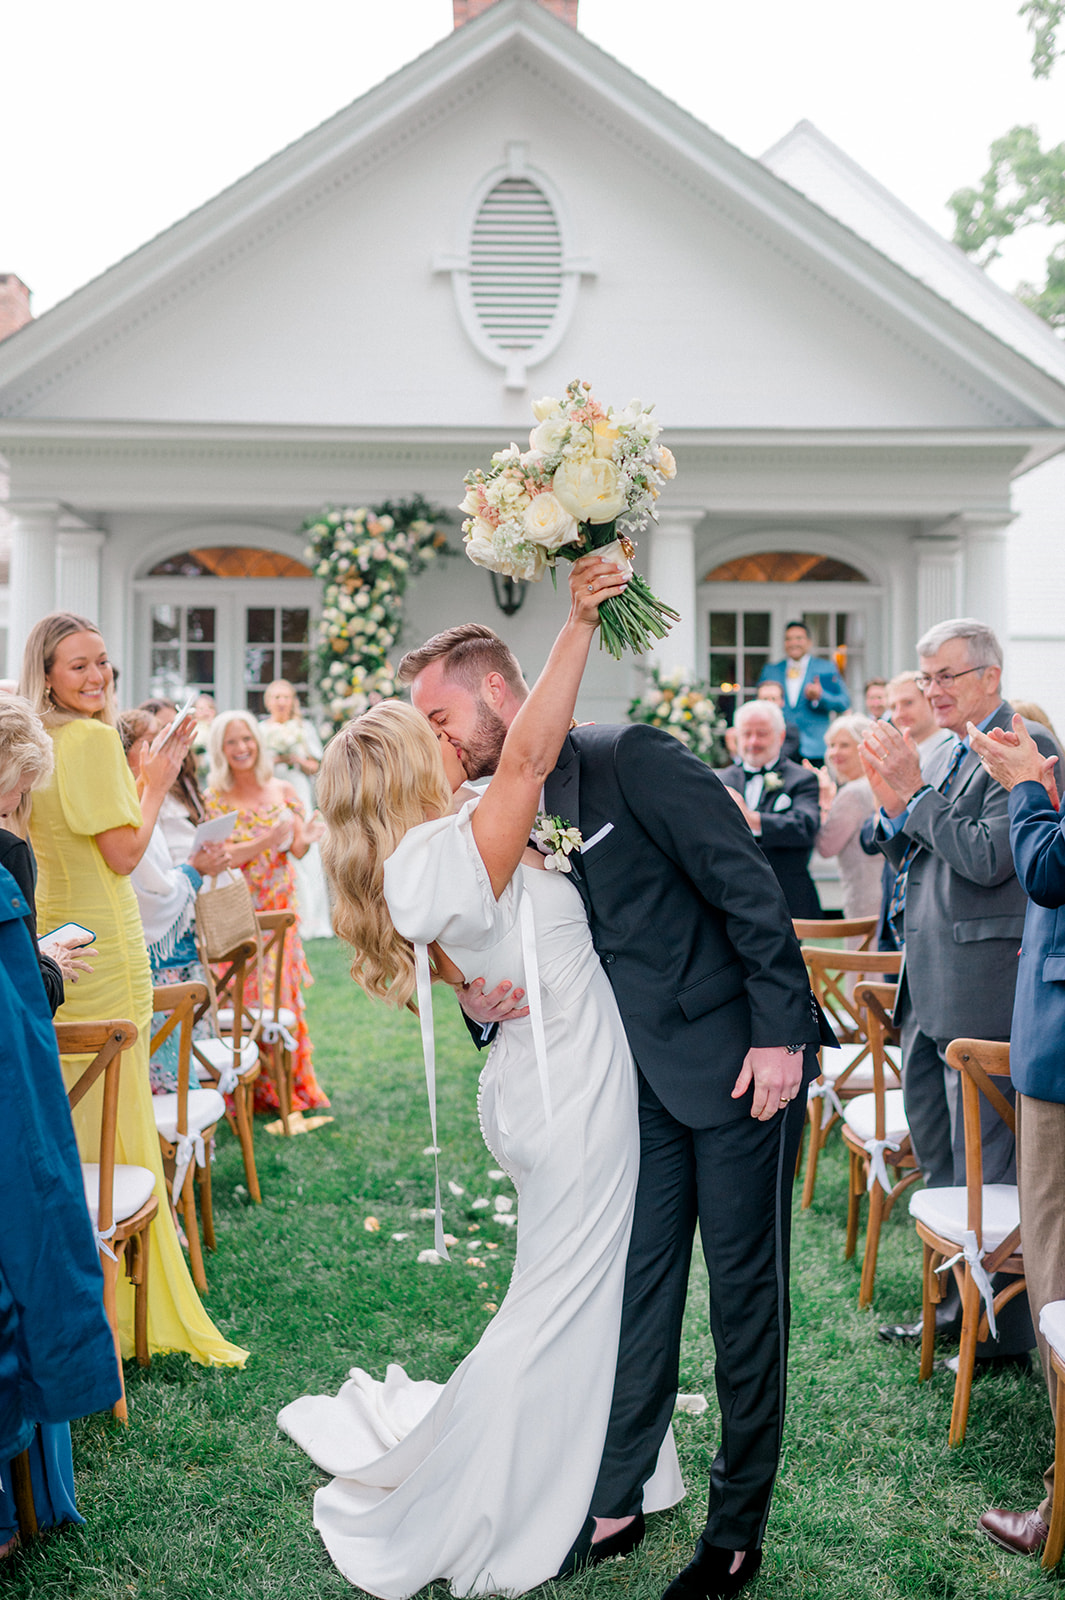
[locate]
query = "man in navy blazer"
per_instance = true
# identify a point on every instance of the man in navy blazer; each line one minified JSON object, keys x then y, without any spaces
{"x":694,"y":935}
{"x":814,"y":692}
{"x":1037,"y":1058}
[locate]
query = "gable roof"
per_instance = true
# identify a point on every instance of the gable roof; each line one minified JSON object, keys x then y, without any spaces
{"x":976,"y":333}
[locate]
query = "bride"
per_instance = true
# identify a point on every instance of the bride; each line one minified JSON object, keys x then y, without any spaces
{"x":485,"y":1481}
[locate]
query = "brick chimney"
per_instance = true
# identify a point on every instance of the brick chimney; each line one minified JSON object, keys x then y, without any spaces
{"x":14,"y":304}
{"x":466,"y":10}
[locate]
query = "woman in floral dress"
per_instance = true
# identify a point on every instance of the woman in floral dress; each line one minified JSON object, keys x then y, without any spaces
{"x":296,"y":748}
{"x":270,"y":830}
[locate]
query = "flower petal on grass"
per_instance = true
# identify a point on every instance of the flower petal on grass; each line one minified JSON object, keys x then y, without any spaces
{"x":504,"y":1202}
{"x":494,"y":1172}
{"x":456,"y":1188}
{"x":693,"y":1404}
{"x":480,"y":1204}
{"x":372,"y":1225}
{"x":399,"y":1236}
{"x":429,"y":1258}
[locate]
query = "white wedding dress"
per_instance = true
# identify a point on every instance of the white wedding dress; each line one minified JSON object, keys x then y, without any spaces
{"x":485,"y":1481}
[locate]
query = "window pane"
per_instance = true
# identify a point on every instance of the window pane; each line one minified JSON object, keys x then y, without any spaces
{"x":753,"y":663}
{"x":199,"y":666}
{"x":295,"y":625}
{"x":817,"y":625}
{"x":722,"y":629}
{"x":256,"y":702}
{"x":166,"y":623}
{"x":258,"y":666}
{"x":722,"y":668}
{"x":294,"y":666}
{"x":756,"y":628}
{"x":260,"y":626}
{"x":199,"y":625}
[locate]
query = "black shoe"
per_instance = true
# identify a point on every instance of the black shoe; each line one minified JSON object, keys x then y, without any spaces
{"x":1018,"y":1362}
{"x":948,"y":1326}
{"x":622,"y":1543}
{"x":707,"y":1576}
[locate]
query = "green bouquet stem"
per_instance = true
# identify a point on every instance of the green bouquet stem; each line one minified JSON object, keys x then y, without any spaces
{"x":629,"y":621}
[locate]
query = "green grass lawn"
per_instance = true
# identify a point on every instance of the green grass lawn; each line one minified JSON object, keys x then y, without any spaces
{"x":201,"y":1496}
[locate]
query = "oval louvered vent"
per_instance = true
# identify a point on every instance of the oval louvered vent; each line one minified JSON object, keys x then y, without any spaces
{"x":515,"y":266}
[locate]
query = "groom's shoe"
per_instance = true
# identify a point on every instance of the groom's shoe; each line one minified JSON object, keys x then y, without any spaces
{"x":707,"y":1576}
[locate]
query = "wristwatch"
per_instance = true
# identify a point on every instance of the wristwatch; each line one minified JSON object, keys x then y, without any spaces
{"x":795,"y":1049}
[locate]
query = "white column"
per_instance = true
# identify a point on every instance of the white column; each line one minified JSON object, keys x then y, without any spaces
{"x":78,"y":571}
{"x":986,"y":580}
{"x":671,"y":575}
{"x":33,"y":559}
{"x":939,"y":586}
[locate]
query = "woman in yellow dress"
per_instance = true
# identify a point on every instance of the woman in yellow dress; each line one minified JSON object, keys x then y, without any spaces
{"x":89,"y":829}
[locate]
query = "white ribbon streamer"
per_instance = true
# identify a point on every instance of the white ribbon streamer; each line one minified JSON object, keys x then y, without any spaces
{"x":228,"y":1078}
{"x":975,"y":1257}
{"x":101,"y":1241}
{"x":188,"y":1145}
{"x":878,"y":1172}
{"x":536,"y":1010}
{"x":425,"y":1015}
{"x":832,"y":1106}
{"x":272,"y":1032}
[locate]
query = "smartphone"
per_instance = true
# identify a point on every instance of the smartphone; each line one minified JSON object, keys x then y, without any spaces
{"x":179,"y":717}
{"x":67,"y":931}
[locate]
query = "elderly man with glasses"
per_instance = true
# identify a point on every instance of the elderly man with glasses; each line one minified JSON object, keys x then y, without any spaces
{"x":958,"y":909}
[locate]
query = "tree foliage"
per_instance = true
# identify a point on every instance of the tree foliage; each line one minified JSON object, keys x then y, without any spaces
{"x":1024,"y":184}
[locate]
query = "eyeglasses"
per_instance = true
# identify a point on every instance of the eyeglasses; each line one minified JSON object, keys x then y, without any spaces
{"x":943,"y":680}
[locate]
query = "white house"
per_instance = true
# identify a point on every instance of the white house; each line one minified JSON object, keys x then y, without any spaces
{"x":370,"y":312}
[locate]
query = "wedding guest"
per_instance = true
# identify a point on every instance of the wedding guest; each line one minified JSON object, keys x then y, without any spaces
{"x":779,"y":800}
{"x":774,"y":693}
{"x":959,"y":910}
{"x":182,"y":811}
{"x":876,"y":698}
{"x":291,"y":739}
{"x":846,"y":801}
{"x":205,"y":710}
{"x":813,"y":690}
{"x":1037,"y":1059}
{"x":164,"y":711}
{"x":1031,"y":711}
{"x":166,"y":899}
{"x":269,"y":832}
{"x":25,"y":761}
{"x":57,"y":1355}
{"x":90,"y":827}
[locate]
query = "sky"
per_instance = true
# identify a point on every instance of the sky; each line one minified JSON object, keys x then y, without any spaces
{"x":118,"y":118}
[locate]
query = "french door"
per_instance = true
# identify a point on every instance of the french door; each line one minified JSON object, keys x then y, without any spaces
{"x":743,"y":630}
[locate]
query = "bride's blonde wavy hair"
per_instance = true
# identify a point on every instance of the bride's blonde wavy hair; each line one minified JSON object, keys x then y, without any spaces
{"x":380,"y":776}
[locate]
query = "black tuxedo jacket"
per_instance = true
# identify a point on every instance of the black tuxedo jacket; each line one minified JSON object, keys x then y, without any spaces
{"x":686,"y":915}
{"x":788,"y":835}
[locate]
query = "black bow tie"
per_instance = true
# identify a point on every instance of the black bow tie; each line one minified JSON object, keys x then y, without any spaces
{"x":756,"y":772}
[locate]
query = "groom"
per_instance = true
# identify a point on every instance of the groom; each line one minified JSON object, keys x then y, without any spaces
{"x":694,"y":935}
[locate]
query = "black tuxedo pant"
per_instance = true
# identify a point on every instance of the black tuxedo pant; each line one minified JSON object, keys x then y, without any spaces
{"x":735,"y":1180}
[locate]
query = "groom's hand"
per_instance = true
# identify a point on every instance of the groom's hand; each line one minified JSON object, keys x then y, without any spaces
{"x":503,"y":1004}
{"x":776,"y":1075}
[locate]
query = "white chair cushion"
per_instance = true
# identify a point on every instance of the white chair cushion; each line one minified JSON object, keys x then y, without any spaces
{"x":206,"y":1107}
{"x":860,"y":1116}
{"x":836,"y":1061}
{"x":286,"y":1018}
{"x":946,"y":1212}
{"x":1052,"y":1325}
{"x":133,"y":1187}
{"x":220,"y":1054}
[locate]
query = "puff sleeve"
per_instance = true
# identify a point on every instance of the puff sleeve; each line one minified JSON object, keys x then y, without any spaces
{"x":96,"y":787}
{"x":437,"y":887}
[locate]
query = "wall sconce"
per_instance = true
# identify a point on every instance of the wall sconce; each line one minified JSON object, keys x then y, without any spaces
{"x":509,"y":593}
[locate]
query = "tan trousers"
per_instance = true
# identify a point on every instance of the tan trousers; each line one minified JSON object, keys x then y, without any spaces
{"x":1041,"y":1182}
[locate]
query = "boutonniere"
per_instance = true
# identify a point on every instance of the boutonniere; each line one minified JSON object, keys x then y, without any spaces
{"x":771,"y":782}
{"x":556,"y":841}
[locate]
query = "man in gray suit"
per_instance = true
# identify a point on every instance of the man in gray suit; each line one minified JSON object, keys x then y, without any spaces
{"x":957,"y":906}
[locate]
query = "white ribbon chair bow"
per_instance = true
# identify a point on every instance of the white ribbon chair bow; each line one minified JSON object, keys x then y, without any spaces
{"x":878,"y":1172}
{"x":971,"y":1253}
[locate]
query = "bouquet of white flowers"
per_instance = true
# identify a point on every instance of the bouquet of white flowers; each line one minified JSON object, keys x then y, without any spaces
{"x":585,"y":470}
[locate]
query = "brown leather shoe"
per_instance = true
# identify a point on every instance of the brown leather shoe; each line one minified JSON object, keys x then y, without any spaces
{"x":1023,"y":1532}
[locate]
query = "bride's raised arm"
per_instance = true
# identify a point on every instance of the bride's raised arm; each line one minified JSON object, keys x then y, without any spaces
{"x":504,"y":818}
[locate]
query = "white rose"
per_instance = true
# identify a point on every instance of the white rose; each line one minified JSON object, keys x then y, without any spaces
{"x":590,"y":490}
{"x":471,"y":504}
{"x":548,"y":437}
{"x":480,"y":542}
{"x":667,"y":463}
{"x":546,"y":407}
{"x":548,"y":523}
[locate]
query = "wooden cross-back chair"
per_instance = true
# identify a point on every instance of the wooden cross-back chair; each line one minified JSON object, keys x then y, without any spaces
{"x":186,"y":1121}
{"x":121,"y":1199}
{"x":877,"y":1136}
{"x":846,"y":1071}
{"x":269,"y":1023}
{"x":231,"y":1062}
{"x":808,"y":930}
{"x":975,"y":1230}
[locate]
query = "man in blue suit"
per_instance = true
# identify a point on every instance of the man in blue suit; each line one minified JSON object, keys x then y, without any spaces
{"x":814,"y":692}
{"x":1037,"y":1057}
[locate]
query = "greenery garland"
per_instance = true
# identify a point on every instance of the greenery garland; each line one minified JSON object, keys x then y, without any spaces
{"x":687,"y":711}
{"x":365,"y":558}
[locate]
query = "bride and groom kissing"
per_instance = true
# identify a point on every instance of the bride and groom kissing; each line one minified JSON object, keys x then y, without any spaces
{"x":658,"y":1082}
